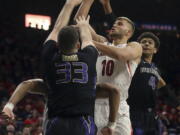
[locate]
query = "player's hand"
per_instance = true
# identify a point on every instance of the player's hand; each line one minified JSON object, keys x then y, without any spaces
{"x":7,"y":113}
{"x":106,"y":131}
{"x":104,"y":2}
{"x":74,"y":2}
{"x":81,"y":20}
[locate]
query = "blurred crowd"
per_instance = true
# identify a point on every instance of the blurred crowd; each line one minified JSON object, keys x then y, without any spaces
{"x":19,"y":61}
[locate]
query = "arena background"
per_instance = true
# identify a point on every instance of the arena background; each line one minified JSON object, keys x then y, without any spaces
{"x":20,"y":49}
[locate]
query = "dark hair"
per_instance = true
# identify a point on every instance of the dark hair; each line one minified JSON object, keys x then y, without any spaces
{"x":68,"y":37}
{"x":150,"y":35}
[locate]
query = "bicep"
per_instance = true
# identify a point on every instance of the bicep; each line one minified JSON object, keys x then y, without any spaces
{"x":38,"y":87}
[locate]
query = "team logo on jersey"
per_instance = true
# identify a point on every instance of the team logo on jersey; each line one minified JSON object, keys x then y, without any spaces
{"x":150,"y":70}
{"x":152,"y":82}
{"x":70,"y":58}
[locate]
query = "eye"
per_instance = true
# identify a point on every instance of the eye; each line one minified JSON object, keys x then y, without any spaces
{"x":150,"y":42}
{"x":120,"y":23}
{"x":143,"y":42}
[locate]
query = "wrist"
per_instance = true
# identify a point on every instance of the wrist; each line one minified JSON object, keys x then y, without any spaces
{"x":111,"y":125}
{"x":9,"y":105}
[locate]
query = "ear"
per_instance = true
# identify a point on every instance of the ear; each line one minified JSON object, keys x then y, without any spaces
{"x":155,"y":50}
{"x":78,"y":46}
{"x":129,"y":33}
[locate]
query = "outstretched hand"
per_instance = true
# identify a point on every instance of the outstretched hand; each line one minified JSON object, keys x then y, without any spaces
{"x":7,"y":114}
{"x":81,"y":20}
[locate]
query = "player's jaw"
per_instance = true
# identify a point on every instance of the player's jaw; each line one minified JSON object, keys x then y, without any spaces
{"x":116,"y":32}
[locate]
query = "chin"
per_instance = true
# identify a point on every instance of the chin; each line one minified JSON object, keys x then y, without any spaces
{"x":114,"y":35}
{"x":146,"y":54}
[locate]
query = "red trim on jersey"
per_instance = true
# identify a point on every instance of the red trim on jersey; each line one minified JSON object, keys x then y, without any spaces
{"x":129,"y":68}
{"x":131,"y":131}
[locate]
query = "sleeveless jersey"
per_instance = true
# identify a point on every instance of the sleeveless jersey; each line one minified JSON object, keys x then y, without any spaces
{"x":116,"y":72}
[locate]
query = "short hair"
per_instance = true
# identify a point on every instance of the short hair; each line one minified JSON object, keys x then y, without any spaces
{"x":150,"y":35}
{"x":68,"y":37}
{"x":129,"y":21}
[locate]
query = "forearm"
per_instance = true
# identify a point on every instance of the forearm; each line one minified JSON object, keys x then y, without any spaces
{"x":95,"y":36}
{"x":84,"y":8}
{"x":114,"y":101}
{"x":110,"y":51}
{"x":85,"y":35}
{"x":20,"y":92}
{"x":62,"y":20}
{"x":64,"y":16}
{"x":131,"y":52}
{"x":106,"y":90}
{"x":107,"y":8}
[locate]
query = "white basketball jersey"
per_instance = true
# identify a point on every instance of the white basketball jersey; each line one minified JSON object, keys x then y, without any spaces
{"x":116,"y":72}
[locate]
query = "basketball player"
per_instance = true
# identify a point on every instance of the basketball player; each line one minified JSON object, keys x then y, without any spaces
{"x":34,"y":84}
{"x":37,"y":86}
{"x":59,"y":25}
{"x":116,"y":66}
{"x":71,"y":77}
{"x":144,"y":86}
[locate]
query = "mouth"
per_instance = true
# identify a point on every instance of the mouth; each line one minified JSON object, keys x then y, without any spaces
{"x":146,"y":49}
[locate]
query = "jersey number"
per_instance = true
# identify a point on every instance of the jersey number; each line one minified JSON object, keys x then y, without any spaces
{"x":108,"y":67}
{"x":65,"y":71}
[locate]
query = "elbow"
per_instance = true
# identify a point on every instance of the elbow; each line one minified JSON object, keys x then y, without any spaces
{"x":115,"y":91}
{"x":26,"y":83}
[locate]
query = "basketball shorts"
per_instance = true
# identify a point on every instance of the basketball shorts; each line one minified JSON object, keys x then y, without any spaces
{"x":123,"y":126}
{"x":81,"y":125}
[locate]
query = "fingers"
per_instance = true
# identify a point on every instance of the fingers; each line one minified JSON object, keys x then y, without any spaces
{"x":82,"y":19}
{"x":4,"y":116}
{"x":8,"y":112}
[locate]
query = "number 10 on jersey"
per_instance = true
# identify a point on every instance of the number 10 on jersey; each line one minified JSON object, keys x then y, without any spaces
{"x":108,"y":67}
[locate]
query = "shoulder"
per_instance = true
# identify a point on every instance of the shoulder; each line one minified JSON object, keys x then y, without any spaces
{"x":136,"y":49}
{"x":90,"y":48}
{"x":134,"y":44}
{"x":50,"y":43}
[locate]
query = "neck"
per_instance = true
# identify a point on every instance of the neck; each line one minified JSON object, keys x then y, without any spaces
{"x":148,"y":58}
{"x":70,"y":51}
{"x":119,"y":41}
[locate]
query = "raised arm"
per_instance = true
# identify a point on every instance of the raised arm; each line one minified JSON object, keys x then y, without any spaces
{"x":106,"y":6}
{"x":83,"y":11}
{"x":131,"y":52}
{"x":36,"y":86}
{"x":107,"y":90}
{"x":109,"y":17}
{"x":63,"y":18}
{"x":85,"y":33}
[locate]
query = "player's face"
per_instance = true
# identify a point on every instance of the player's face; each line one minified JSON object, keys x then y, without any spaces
{"x":120,"y":28}
{"x":148,"y":46}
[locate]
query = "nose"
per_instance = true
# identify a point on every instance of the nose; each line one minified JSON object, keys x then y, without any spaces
{"x":146,"y":43}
